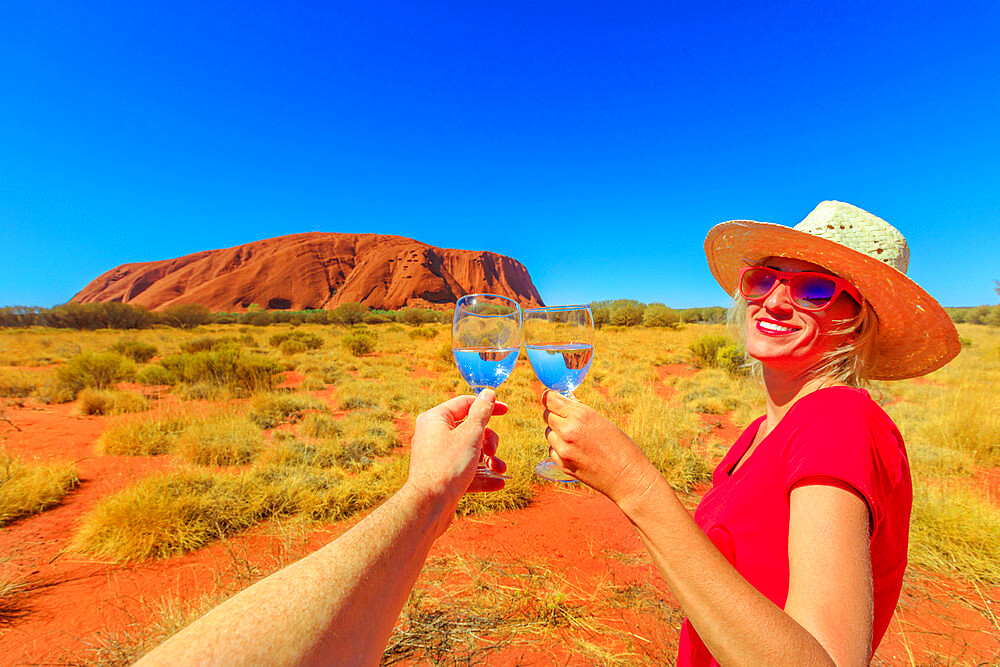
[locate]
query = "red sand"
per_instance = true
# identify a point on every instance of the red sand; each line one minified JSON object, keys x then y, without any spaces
{"x":576,"y":533}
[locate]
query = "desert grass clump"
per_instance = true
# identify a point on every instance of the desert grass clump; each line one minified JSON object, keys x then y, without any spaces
{"x":143,"y":437}
{"x":302,"y":340}
{"x":110,"y":402}
{"x":360,"y":342}
{"x":98,"y":370}
{"x":221,"y":440}
{"x":425,"y":333}
{"x":167,"y":515}
{"x":136,"y":350}
{"x":954,"y":531}
{"x":269,"y":409}
{"x":319,"y":425}
{"x":713,"y":351}
{"x":241,"y":373}
{"x":366,"y":435}
{"x":17,"y":384}
{"x":667,"y":435}
{"x":30,"y":488}
{"x":155,"y":374}
{"x":288,"y":450}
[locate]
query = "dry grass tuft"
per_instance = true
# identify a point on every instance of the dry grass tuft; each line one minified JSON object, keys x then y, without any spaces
{"x":143,"y":437}
{"x":110,"y":402}
{"x":167,"y":515}
{"x":222,"y":440}
{"x":954,"y":531}
{"x":267,"y":410}
{"x":17,"y":384}
{"x":27,"y":489}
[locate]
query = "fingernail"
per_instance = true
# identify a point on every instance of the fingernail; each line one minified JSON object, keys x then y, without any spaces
{"x":487,"y":394}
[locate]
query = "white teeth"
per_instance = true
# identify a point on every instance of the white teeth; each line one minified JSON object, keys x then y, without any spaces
{"x":777,"y":328}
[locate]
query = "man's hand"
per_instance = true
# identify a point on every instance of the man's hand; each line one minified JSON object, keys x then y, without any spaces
{"x":448,"y":441}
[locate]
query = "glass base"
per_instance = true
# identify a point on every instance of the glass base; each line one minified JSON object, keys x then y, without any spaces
{"x":548,"y":469}
{"x":482,"y":472}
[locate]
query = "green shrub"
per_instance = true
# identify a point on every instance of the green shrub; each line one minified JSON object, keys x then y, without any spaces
{"x":135,"y":350}
{"x":394,"y":328}
{"x":360,"y":342}
{"x":348,"y":313}
{"x":240,"y":372}
{"x":205,"y":343}
{"x":98,"y":370}
{"x":423,"y":332}
{"x":417,"y":316}
{"x":186,"y":315}
{"x":706,"y":350}
{"x":626,"y":313}
{"x":378,"y":318}
{"x":51,"y":390}
{"x":966,"y":342}
{"x":155,"y":374}
{"x":732,"y":360}
{"x":307,"y":340}
{"x":659,"y":315}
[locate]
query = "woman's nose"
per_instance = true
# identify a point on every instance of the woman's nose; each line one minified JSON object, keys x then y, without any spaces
{"x":779,"y":299}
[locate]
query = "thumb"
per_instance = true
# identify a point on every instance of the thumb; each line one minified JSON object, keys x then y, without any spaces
{"x":481,"y":410}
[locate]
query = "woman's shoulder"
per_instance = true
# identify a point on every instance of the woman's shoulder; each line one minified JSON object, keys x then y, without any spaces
{"x":840,"y":404}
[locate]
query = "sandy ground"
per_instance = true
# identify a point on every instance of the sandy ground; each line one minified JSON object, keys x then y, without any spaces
{"x":85,"y":603}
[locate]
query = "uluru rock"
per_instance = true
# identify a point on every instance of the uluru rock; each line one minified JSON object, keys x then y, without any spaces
{"x":315,"y":270}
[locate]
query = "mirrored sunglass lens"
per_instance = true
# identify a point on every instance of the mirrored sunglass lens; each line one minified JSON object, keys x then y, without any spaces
{"x":756,"y":283}
{"x":813,"y":291}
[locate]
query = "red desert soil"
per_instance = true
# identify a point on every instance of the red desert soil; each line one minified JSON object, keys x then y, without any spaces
{"x":315,"y":270}
{"x":573,"y":532}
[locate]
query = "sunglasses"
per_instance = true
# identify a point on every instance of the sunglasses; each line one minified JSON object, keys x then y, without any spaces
{"x":809,"y":291}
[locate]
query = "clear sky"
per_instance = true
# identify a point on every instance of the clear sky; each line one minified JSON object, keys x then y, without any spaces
{"x":596,"y":142}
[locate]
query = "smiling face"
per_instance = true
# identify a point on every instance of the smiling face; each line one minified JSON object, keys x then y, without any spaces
{"x":784,"y":337}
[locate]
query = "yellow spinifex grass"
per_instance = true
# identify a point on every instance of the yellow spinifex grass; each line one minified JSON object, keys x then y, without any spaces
{"x":220,"y":440}
{"x":30,"y":488}
{"x":143,"y":437}
{"x":166,"y":515}
{"x":110,"y":402}
{"x":954,"y":530}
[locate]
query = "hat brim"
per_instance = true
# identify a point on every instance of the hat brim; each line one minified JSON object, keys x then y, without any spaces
{"x":915,"y":337}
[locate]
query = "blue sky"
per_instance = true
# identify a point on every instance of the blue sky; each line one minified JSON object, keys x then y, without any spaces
{"x":596,"y":142}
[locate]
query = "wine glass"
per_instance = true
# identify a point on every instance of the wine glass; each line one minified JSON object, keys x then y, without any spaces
{"x":560,"y":345}
{"x":485,"y":340}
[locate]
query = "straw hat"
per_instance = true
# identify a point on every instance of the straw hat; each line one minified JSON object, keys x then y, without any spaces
{"x":915,"y":335}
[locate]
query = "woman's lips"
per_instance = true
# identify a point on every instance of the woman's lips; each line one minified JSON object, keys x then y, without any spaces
{"x":772,"y":328}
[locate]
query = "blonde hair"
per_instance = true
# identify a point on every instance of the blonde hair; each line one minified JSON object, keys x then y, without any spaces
{"x":847,"y":364}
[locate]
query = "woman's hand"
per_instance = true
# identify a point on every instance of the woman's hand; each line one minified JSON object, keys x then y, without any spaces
{"x":595,"y":451}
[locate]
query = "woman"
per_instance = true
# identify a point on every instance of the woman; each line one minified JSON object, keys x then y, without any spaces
{"x":797,"y":553}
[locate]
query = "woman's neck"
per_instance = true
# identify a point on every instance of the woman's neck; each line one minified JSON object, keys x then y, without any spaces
{"x":784,"y":388}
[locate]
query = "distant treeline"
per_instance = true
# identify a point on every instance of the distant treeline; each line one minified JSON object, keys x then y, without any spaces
{"x":619,"y":313}
{"x":90,"y":316}
{"x":989,"y":315}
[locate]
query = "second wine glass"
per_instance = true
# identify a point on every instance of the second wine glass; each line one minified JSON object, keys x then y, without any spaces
{"x":560,"y":345}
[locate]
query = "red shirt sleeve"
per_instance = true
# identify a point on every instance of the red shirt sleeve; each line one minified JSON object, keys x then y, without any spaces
{"x":838,"y":436}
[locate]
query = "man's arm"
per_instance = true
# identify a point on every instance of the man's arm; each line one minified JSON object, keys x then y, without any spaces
{"x":339,"y":604}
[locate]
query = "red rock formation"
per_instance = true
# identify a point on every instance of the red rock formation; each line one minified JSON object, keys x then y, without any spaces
{"x":315,"y":270}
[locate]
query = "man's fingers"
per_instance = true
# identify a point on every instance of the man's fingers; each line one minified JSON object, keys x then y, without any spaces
{"x":553,"y":420}
{"x":456,"y":409}
{"x":481,"y":410}
{"x":490,"y":442}
{"x":496,"y":465}
{"x":483,"y":484}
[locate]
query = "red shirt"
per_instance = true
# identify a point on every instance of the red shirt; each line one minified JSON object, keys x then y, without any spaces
{"x":838,"y":433}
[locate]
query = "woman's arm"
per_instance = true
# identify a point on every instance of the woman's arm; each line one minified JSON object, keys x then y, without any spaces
{"x":827,"y":619}
{"x":338,"y":605}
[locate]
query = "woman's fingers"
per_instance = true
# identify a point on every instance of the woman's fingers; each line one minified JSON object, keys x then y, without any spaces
{"x":496,"y":465}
